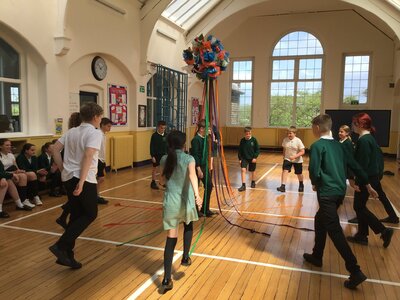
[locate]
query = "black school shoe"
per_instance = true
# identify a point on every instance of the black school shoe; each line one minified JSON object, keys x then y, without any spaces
{"x":101,"y":200}
{"x":25,"y":207}
{"x":186,"y":262}
{"x":4,"y":214}
{"x":253,"y":184}
{"x":386,"y":236}
{"x":63,"y":258}
{"x":354,"y":280}
{"x":154,"y":185}
{"x":281,"y":189}
{"x":308,"y":257}
{"x":167,"y":284}
{"x":353,"y":220}
{"x":393,"y":220}
{"x":242,"y":188}
{"x":358,"y":240}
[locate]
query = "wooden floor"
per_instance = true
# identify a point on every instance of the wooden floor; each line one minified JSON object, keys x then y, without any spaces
{"x":228,"y":262}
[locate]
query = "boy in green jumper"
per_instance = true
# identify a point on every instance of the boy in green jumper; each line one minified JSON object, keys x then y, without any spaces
{"x":248,"y":153}
{"x":158,"y":148}
{"x":197,"y":146}
{"x":327,"y":168}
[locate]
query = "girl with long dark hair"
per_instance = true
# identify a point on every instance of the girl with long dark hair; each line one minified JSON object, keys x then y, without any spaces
{"x":180,"y":199}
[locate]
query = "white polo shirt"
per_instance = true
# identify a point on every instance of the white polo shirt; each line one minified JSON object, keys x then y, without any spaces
{"x":292,"y":147}
{"x":75,"y":141}
{"x":7,"y":160}
{"x":102,"y":151}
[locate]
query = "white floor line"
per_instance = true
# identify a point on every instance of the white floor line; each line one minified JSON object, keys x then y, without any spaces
{"x":119,"y":186}
{"x":230,"y":259}
{"x":266,"y":173}
{"x":31,"y":215}
{"x":135,"y":200}
{"x":153,"y":278}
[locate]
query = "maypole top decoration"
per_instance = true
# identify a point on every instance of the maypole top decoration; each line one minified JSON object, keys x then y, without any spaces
{"x":207,"y":57}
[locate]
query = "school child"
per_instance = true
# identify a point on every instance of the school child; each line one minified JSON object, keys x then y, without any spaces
{"x":203,"y":174}
{"x":348,"y":147}
{"x":180,"y":199}
{"x":27,"y":161}
{"x":158,"y":148}
{"x":78,"y":170}
{"x":46,"y":162}
{"x":4,"y":178}
{"x":327,"y":168}
{"x":293,"y":151}
{"x":12,"y":191}
{"x":369,"y":156}
{"x":248,"y":153}
{"x":105,"y":126}
{"x":20,"y":179}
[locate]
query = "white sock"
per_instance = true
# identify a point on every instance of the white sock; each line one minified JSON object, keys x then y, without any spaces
{"x":19,"y":203}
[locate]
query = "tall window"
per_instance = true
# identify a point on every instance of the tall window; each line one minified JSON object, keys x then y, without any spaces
{"x":296,"y":84}
{"x":10,"y":88}
{"x":241,"y":92}
{"x":356,"y":79}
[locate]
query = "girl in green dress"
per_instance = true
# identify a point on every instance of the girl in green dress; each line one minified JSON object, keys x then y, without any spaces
{"x":180,"y":199}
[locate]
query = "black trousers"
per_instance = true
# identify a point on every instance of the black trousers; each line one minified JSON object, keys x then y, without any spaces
{"x":376,"y":184}
{"x":365,"y":217}
{"x":83,"y":212}
{"x":54,"y":180}
{"x":209,"y":185}
{"x":327,"y":222}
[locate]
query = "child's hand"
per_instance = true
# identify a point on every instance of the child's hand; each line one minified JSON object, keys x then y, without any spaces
{"x":199,"y":201}
{"x":254,"y":160}
{"x":200,"y":173}
{"x":15,"y":178}
{"x":314,"y":188}
{"x":293,"y":157}
{"x":153,"y":160}
{"x":371,"y":191}
{"x":354,"y":186}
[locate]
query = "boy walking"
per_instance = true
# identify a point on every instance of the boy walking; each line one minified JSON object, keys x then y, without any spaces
{"x":81,"y":147}
{"x":328,"y":165}
{"x":293,"y":151}
{"x":201,"y":157}
{"x":158,"y":148}
{"x":248,"y":153}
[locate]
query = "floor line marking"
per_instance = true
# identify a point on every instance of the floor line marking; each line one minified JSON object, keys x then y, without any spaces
{"x":216,"y":257}
{"x":266,"y":173}
{"x":119,"y":186}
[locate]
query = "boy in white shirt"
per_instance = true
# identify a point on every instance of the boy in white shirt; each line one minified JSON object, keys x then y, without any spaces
{"x":81,"y":147}
{"x":293,"y":150}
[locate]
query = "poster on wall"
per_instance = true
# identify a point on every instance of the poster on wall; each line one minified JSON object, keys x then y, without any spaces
{"x":195,"y":110}
{"x":118,"y":101}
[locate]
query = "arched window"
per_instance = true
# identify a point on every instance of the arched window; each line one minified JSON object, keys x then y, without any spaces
{"x":10,"y":88}
{"x":296,"y":84}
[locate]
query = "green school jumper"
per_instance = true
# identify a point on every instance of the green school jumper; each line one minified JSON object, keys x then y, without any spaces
{"x":327,"y":168}
{"x":196,"y":151}
{"x":158,"y":145}
{"x":248,"y":149}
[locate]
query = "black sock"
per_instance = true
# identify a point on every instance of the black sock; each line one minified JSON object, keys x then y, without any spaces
{"x":168,"y":256}
{"x":243,"y":184}
{"x":301,"y":183}
{"x":22,"y":192}
{"x":283,"y":185}
{"x":187,"y":239}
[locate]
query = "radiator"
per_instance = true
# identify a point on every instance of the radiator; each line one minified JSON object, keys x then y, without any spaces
{"x":121,"y":151}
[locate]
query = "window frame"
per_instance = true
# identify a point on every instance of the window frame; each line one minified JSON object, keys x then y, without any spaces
{"x":295,"y":80}
{"x":231,"y":80}
{"x":362,"y":105}
{"x":23,"y":106}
